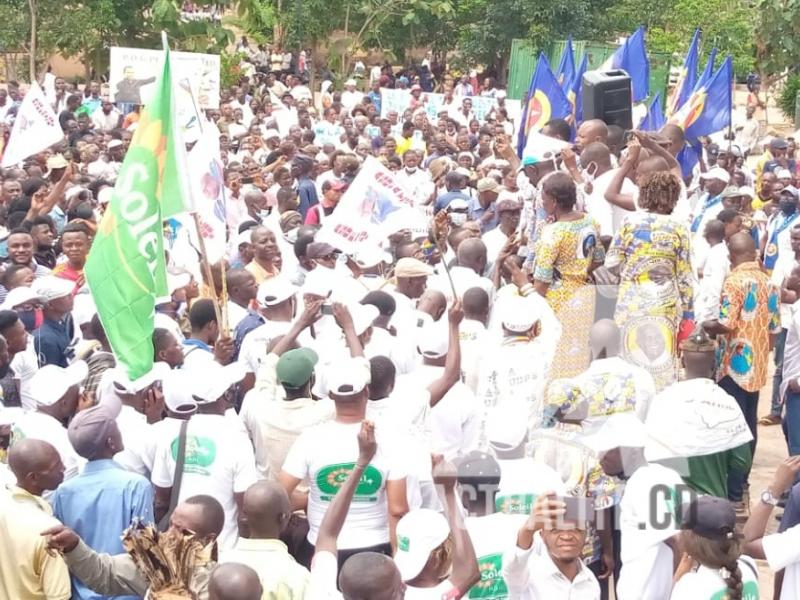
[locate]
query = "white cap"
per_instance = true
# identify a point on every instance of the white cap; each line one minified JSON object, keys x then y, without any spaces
{"x":213,"y":380}
{"x":84,"y":309}
{"x":50,"y":287}
{"x":419,"y":533}
{"x":275,"y":290}
{"x":10,"y":414}
{"x":434,"y":340}
{"x":271,"y":133}
{"x":620,"y":430}
{"x":347,"y":376}
{"x":117,"y":379}
{"x":350,"y":82}
{"x":114,"y":144}
{"x":73,"y":191}
{"x":318,"y":283}
{"x":507,"y":425}
{"x":747,"y":191}
{"x":783,"y":174}
{"x":104,"y":195}
{"x":716,"y":173}
{"x":518,"y":314}
{"x":176,"y":281}
{"x":177,"y":387}
{"x":462,"y":171}
{"x":369,"y":255}
{"x":20,"y":295}
{"x":363,"y":316}
{"x":244,"y":237}
{"x":51,"y":382}
{"x":459,"y":204}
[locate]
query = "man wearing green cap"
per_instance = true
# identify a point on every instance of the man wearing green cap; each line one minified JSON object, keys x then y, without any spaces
{"x":274,"y":417}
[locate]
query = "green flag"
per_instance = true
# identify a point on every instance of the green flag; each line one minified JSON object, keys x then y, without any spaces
{"x":126,"y":270}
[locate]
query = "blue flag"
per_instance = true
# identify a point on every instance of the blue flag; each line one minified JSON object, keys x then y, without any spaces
{"x":545,"y":100}
{"x":709,"y":108}
{"x":708,"y":71}
{"x":689,"y":156}
{"x":566,"y":66}
{"x":574,"y":93}
{"x":654,"y":119}
{"x":687,"y":78}
{"x":632,"y":58}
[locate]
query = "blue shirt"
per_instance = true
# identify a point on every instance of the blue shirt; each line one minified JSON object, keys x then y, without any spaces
{"x":52,"y":340}
{"x":375,"y":98}
{"x":99,"y":504}
{"x":476,"y":211}
{"x":307,"y":192}
{"x":445,"y":199}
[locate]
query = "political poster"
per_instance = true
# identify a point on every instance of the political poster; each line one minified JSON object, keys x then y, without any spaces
{"x":374,"y":206}
{"x":398,"y":101}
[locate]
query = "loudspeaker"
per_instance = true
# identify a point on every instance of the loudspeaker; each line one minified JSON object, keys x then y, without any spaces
{"x":607,"y":96}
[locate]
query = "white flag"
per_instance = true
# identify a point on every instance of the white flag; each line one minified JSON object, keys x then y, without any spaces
{"x":208,"y":191}
{"x":35,"y":129}
{"x":374,"y":206}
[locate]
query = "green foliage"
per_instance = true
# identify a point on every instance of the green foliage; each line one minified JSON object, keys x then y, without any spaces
{"x":788,"y":97}
{"x":776,"y":36}
{"x":229,"y":70}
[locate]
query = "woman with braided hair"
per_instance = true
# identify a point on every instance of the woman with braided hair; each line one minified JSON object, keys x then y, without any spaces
{"x":712,"y":567}
{"x":650,"y":253}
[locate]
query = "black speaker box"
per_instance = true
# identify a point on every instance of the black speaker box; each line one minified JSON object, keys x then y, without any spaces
{"x":607,"y":96}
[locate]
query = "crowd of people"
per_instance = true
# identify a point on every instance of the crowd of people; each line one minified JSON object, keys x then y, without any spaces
{"x":550,"y":391}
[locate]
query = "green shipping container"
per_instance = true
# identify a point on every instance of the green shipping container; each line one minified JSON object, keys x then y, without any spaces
{"x":524,"y":57}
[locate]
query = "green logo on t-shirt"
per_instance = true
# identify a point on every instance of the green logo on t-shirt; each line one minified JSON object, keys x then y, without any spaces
{"x":515,"y":504}
{"x":200,"y":454}
{"x":402,"y":543}
{"x":749,"y":592}
{"x":492,"y":586}
{"x":331,"y":478}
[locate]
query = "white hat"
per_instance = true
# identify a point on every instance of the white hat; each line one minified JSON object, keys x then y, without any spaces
{"x":459,"y":204}
{"x":419,"y":533}
{"x":114,"y":144}
{"x":747,"y":191}
{"x":20,"y":295}
{"x":177,"y":387}
{"x":213,"y":380}
{"x":347,"y":376}
{"x":518,"y":314}
{"x":104,"y":195}
{"x":363,"y":316}
{"x":51,"y":382}
{"x":619,"y":430}
{"x":783,"y":174}
{"x":176,"y":281}
{"x":275,"y":290}
{"x":10,"y":414}
{"x":84,"y":309}
{"x":73,"y":191}
{"x":434,"y":340}
{"x":369,"y":255}
{"x":716,"y":173}
{"x":350,"y":82}
{"x":50,"y":287}
{"x":463,"y":172}
{"x":507,"y":425}
{"x":271,"y":133}
{"x":117,"y":379}
{"x":244,"y":237}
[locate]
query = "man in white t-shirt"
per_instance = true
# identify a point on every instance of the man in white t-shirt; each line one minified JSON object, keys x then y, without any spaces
{"x":598,"y":171}
{"x":326,"y":453}
{"x":56,"y":391}
{"x":218,"y":459}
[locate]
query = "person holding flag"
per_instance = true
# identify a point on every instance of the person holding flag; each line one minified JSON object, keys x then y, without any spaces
{"x":545,"y":101}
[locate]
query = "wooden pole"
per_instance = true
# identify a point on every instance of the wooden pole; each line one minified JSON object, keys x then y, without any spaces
{"x":32,"y":56}
{"x":207,"y":269}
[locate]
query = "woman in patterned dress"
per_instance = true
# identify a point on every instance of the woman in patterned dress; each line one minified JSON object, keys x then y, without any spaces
{"x":650,"y":252}
{"x":566,"y":253}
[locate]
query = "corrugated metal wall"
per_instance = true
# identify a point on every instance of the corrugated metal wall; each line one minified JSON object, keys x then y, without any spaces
{"x":524,"y":56}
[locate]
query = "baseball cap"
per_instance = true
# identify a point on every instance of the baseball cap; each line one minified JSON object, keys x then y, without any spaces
{"x":177,"y":389}
{"x":20,"y":295}
{"x":747,"y":191}
{"x":412,"y":267}
{"x":716,"y":173}
{"x":368,"y":256}
{"x":730,"y":192}
{"x":213,"y":380}
{"x":419,"y":533}
{"x":319,"y":249}
{"x":434,"y":340}
{"x":488,"y":184}
{"x":791,"y":190}
{"x":334,"y":184}
{"x":57,"y":161}
{"x":710,"y":517}
{"x":271,"y":133}
{"x":114,"y":144}
{"x":620,"y":430}
{"x":363,"y":316}
{"x":53,"y":288}
{"x":458,"y":205}
{"x":104,"y":195}
{"x":463,"y":172}
{"x":778,"y":144}
{"x":507,"y":425}
{"x":89,"y":430}
{"x":275,"y":290}
{"x":319,"y":282}
{"x":348,"y":376}
{"x":350,"y":82}
{"x":295,"y":367}
{"x":118,"y":379}
{"x":51,"y":382}
{"x":508,"y":205}
{"x":518,"y":314}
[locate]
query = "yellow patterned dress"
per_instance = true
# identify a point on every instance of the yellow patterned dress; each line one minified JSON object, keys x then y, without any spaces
{"x":651,"y":252}
{"x":564,"y":252}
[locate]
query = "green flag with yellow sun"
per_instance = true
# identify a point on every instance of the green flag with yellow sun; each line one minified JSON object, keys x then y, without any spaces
{"x":126,"y":269}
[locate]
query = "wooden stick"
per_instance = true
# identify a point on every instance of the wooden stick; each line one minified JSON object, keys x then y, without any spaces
{"x":207,"y":268}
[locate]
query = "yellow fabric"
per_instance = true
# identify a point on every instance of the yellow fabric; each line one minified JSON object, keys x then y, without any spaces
{"x":282,"y":578}
{"x":27,"y":570}
{"x":259,"y":272}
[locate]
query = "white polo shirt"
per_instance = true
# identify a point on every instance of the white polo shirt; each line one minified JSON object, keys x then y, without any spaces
{"x":39,"y":426}
{"x":782,"y":551}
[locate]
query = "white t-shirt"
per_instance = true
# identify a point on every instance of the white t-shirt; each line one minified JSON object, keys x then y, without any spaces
{"x":219,"y":462}
{"x":647,"y":576}
{"x":39,"y":426}
{"x":491,"y":537}
{"x":520,"y":479}
{"x":707,"y":584}
{"x":24,"y":365}
{"x":715,"y":270}
{"x":136,"y":437}
{"x":325,"y":454}
{"x":463,"y":279}
{"x":608,"y":216}
{"x":254,"y":346}
{"x":782,"y":551}
{"x":432,"y":593}
{"x":473,"y":336}
{"x":783,"y":268}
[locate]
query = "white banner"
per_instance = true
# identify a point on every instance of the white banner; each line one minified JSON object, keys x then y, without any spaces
{"x":208,"y":191}
{"x":398,"y":100}
{"x":133,"y":71}
{"x":35,"y":128}
{"x":695,"y":417}
{"x":374,"y":206}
